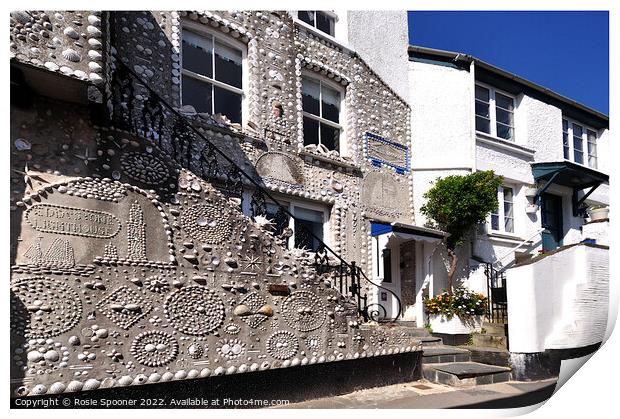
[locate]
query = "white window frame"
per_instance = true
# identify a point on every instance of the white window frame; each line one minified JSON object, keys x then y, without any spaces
{"x":342,"y":142}
{"x":331,"y":15}
{"x":584,"y":143}
{"x":205,"y":32}
{"x":500,"y":212}
{"x":493,"y":112}
{"x":290,"y":205}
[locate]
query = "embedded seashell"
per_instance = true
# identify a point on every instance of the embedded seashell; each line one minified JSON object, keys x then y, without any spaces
{"x":266,"y":310}
{"x":75,"y":386}
{"x":71,"y":55}
{"x":21,"y":17}
{"x":22,"y":144}
{"x":180,"y":375}
{"x":74,"y":340}
{"x":242,"y":310}
{"x":125,"y":380}
{"x":39,"y":389}
{"x":52,"y":356}
{"x":140,"y":379}
{"x":132,"y":307}
{"x":71,"y":33}
{"x":219,"y":371}
{"x":205,"y":372}
{"x":34,"y":356}
{"x":57,"y":388}
{"x":193,"y":374}
{"x":154,"y":378}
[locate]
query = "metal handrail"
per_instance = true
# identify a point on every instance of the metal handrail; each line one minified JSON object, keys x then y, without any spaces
{"x":497,"y":261}
{"x":323,"y":247}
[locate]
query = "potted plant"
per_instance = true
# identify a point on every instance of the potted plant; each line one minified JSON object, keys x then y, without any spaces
{"x":457,"y":313}
{"x":598,"y":212}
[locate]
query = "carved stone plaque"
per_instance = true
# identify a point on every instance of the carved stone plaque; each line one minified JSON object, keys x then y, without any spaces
{"x":49,"y":218}
{"x":278,"y":166}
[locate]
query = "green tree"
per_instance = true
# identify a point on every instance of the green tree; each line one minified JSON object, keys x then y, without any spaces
{"x":455,"y":204}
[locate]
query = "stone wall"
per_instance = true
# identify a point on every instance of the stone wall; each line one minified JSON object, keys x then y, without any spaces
{"x":128,"y":269}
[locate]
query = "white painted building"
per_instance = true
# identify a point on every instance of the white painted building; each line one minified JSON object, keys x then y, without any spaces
{"x":554,"y":156}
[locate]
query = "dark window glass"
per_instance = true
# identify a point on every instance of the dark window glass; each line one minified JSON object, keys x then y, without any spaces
{"x":227,"y":103}
{"x":198,"y":94}
{"x":504,"y":131}
{"x":494,"y":221}
{"x":311,"y":131}
{"x":306,"y":16}
{"x":483,"y":124}
{"x":330,"y":102}
{"x":324,"y":23}
{"x":308,"y":221}
{"x":482,"y":94}
{"x":277,"y":217}
{"x":228,"y":67}
{"x":197,"y":55}
{"x":504,"y":102}
{"x":387,"y":265}
{"x":330,"y":137}
{"x":482,"y":109}
{"x":311,"y":93}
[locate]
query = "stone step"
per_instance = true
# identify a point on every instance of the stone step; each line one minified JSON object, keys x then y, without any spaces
{"x":489,"y":355}
{"x":489,"y":341}
{"x":431,"y":341}
{"x":494,"y":328}
{"x":444,"y":353}
{"x":464,"y":374}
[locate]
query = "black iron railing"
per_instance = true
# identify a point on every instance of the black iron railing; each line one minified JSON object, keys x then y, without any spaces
{"x":137,"y":108}
{"x":497,"y":309}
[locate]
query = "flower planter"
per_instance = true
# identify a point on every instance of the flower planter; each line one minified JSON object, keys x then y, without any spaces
{"x":599,"y":214}
{"x":455,"y":325}
{"x":530,"y":192}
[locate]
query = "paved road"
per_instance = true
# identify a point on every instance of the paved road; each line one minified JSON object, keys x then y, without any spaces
{"x":425,"y":395}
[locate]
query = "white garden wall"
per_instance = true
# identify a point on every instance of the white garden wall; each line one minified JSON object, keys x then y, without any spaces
{"x":566,"y":295}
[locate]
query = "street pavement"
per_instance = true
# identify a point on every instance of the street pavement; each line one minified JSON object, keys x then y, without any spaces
{"x":426,"y":395}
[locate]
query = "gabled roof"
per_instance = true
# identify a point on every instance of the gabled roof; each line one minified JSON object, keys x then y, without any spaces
{"x":513,"y":83}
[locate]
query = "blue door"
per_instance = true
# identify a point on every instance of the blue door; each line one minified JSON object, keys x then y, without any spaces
{"x":551,"y":220}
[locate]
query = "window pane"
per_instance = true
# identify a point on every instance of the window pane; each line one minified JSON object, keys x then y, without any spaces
{"x":591,"y":136}
{"x":227,"y":103}
{"x":310,"y":91}
{"x":330,"y":104}
{"x":306,"y":16}
{"x":564,"y":125}
{"x":482,"y":109}
{"x":228,"y":65}
{"x":311,"y":131}
{"x":566,"y":146}
{"x":504,"y":131}
{"x":309,"y":215}
{"x":197,"y":94}
{"x":504,"y":117}
{"x":509,"y":225}
{"x":578,"y":143}
{"x":578,"y":157}
{"x":330,"y":137}
{"x":494,"y":222}
{"x":592,"y":162}
{"x":577,"y":130}
{"x":504,"y":102}
{"x":324,"y":23}
{"x":483,"y":125}
{"x":279,"y":220}
{"x":482,"y":93}
{"x":591,"y":148}
{"x":197,"y":55}
{"x":313,"y":221}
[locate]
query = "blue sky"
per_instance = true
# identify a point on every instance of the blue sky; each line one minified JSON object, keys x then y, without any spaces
{"x":567,"y":52}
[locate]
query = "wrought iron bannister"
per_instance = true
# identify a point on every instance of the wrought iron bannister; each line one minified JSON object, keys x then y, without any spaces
{"x":497,"y":309}
{"x":135,"y":107}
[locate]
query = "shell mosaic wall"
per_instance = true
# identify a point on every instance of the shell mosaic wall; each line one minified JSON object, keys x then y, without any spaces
{"x":128,"y":269}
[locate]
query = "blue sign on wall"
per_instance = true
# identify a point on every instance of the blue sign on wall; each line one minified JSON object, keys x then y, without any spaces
{"x":381,"y":151}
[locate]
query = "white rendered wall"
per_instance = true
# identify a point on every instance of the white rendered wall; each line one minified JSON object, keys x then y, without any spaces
{"x":387,"y":55}
{"x":566,"y":295}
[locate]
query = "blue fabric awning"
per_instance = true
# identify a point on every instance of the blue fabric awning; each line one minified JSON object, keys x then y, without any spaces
{"x":378,"y":228}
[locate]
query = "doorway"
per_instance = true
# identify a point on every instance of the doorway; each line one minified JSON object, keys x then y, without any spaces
{"x":551,"y":221}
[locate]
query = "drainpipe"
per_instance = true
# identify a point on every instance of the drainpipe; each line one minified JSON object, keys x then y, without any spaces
{"x":472,"y":113}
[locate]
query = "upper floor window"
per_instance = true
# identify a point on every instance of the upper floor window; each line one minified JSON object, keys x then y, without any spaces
{"x":212,"y":75}
{"x":495,"y":113}
{"x":579,"y":143}
{"x":502,"y":219}
{"x":320,"y":20}
{"x":321,"y":104}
